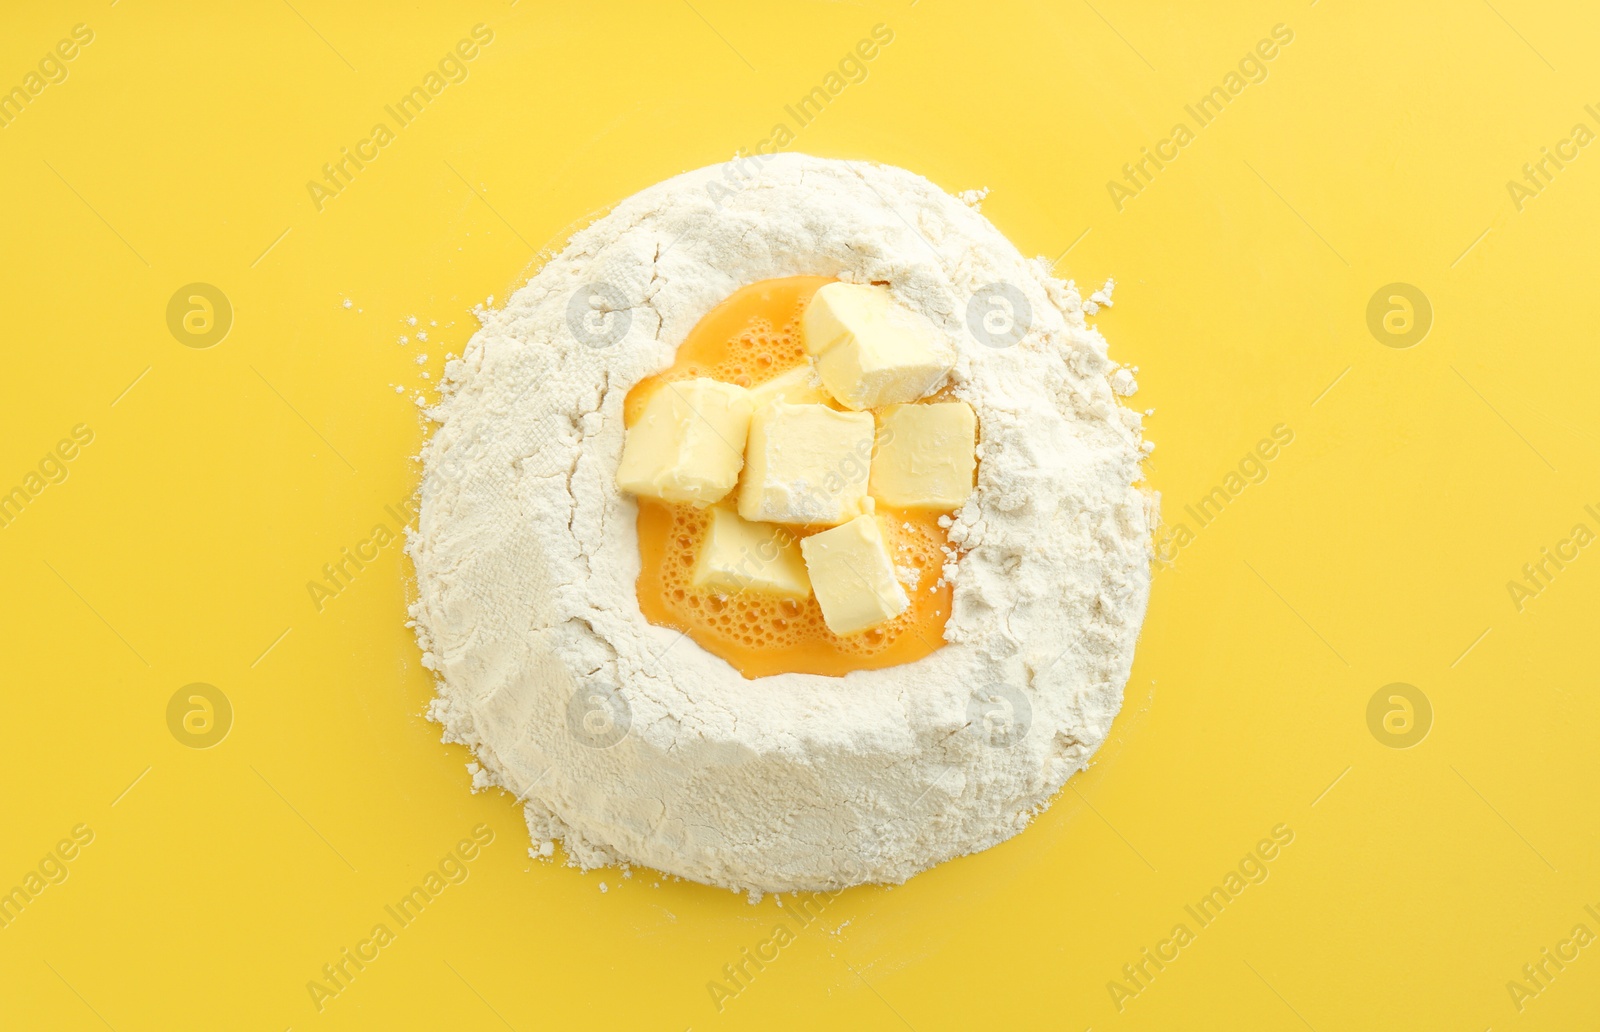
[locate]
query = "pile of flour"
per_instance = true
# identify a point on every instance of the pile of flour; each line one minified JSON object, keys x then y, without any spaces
{"x":627,"y":741}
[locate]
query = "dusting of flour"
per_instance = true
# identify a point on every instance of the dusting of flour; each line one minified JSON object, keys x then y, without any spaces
{"x":631,"y":744}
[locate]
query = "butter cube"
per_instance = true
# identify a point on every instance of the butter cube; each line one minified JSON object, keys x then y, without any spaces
{"x":688,"y":444}
{"x":926,"y":455}
{"x":795,"y":387}
{"x":740,"y":556}
{"x":806,"y":464}
{"x":853,"y":576}
{"x":871,"y":351}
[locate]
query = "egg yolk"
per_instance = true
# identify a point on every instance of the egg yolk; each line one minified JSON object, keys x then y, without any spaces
{"x":750,"y":338}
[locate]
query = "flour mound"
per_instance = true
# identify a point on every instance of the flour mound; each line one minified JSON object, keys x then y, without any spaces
{"x":629,"y":742}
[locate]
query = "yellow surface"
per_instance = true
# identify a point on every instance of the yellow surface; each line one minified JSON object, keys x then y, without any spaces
{"x":1377,"y":549}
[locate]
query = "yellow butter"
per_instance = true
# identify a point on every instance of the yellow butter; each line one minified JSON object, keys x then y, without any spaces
{"x":797,"y":386}
{"x":926,"y":455}
{"x":688,"y":443}
{"x":737,"y":555}
{"x":806,"y":464}
{"x":853,"y":576}
{"x":870,"y":351}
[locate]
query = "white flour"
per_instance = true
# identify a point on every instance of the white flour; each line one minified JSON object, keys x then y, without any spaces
{"x":629,"y":742}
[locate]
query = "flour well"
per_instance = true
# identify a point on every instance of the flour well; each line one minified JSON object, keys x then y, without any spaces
{"x":627,"y":741}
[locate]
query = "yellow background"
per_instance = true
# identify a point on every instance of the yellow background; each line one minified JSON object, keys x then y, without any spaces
{"x":1377,"y":550}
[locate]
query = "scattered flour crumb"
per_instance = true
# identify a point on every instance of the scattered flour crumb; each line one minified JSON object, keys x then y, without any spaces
{"x":973,"y":198}
{"x":411,"y":320}
{"x":1100,"y":298}
{"x":348,"y":303}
